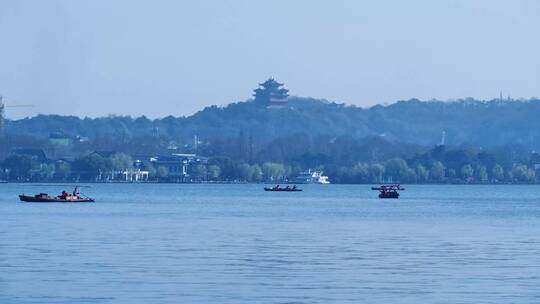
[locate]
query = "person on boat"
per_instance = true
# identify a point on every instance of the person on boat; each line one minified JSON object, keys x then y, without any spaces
{"x":76,"y":192}
{"x":288,"y":188}
{"x":64,"y":194}
{"x":294,"y":187}
{"x":276,"y":187}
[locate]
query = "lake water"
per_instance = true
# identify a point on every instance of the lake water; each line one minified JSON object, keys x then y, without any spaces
{"x":238,"y":244}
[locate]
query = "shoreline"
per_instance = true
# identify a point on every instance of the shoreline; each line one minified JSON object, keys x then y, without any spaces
{"x":253,"y":183}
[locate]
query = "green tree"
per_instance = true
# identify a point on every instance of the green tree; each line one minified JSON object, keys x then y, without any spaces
{"x":497,"y":173}
{"x":214,"y":171}
{"x":151,"y":170}
{"x":422,"y":173}
{"x":411,"y":176}
{"x":162,"y":172}
{"x":467,"y":172}
{"x":62,"y":170}
{"x":19,"y":166}
{"x":273,"y":171}
{"x":482,"y":174}
{"x":523,"y":174}
{"x":257,"y":173}
{"x":121,"y":162}
{"x":451,"y":173}
{"x":228,"y":169}
{"x":91,"y":166}
{"x":45,"y":171}
{"x":245,"y":172}
{"x":396,"y":169}
{"x":508,"y":176}
{"x":376,"y":171}
{"x":358,"y":174}
{"x":437,"y":172}
{"x":199,"y":172}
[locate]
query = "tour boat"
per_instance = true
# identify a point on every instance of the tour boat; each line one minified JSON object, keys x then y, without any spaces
{"x":388,"y":191}
{"x":311,"y":177}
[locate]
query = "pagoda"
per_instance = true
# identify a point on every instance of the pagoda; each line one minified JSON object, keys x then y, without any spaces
{"x":272,"y":94}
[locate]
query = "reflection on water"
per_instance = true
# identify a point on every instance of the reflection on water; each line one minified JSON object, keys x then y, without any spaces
{"x":239,"y":244}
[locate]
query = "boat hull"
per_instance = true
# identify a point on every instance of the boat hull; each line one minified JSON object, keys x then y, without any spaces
{"x":33,"y":199}
{"x":282,"y":190}
{"x":388,"y":195}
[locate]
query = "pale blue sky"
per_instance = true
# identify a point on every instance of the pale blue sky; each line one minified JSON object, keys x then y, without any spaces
{"x":94,"y":58}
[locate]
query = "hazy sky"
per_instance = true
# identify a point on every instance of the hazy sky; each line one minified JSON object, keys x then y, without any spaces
{"x":158,"y":58}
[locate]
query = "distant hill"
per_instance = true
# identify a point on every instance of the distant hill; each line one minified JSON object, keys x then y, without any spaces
{"x":472,"y":122}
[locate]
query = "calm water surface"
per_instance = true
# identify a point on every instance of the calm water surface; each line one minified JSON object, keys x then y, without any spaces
{"x":238,"y":244}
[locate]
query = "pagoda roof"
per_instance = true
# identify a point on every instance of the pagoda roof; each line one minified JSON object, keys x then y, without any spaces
{"x":271,"y":82}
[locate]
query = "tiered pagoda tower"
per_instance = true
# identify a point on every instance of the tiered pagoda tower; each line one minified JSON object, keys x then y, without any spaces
{"x":272,"y":94}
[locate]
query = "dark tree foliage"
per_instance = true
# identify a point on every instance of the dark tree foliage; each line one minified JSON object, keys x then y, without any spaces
{"x":19,"y":166}
{"x":486,"y":141}
{"x":480,"y":123}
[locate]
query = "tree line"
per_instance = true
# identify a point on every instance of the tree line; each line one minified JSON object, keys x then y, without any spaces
{"x":438,"y":165}
{"x":94,"y":167}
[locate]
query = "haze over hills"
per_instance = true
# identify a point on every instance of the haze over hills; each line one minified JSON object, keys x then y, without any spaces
{"x":465,"y":122}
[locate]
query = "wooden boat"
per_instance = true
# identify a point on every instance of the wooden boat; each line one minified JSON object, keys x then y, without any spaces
{"x":389,"y":194}
{"x":286,"y":189}
{"x":45,"y":198}
{"x":65,"y":197}
{"x":388,"y":191}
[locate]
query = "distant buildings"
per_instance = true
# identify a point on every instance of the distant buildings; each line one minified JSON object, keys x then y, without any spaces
{"x":272,"y":94}
{"x":133,"y":175}
{"x":178,"y":164}
{"x":104,"y":166}
{"x":59,"y":139}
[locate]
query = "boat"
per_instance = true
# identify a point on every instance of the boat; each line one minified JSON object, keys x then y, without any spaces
{"x":65,"y":197}
{"x":311,"y":177}
{"x":389,"y":191}
{"x":281,"y":189}
{"x":45,"y":198}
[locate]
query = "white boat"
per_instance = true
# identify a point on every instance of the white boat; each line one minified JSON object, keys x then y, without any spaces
{"x":311,"y":177}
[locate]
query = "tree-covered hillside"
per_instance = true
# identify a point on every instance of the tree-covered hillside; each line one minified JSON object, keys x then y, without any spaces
{"x":479,"y":123}
{"x":491,"y":141}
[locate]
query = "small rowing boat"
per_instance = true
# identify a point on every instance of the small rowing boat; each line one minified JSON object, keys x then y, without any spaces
{"x":281,"y":189}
